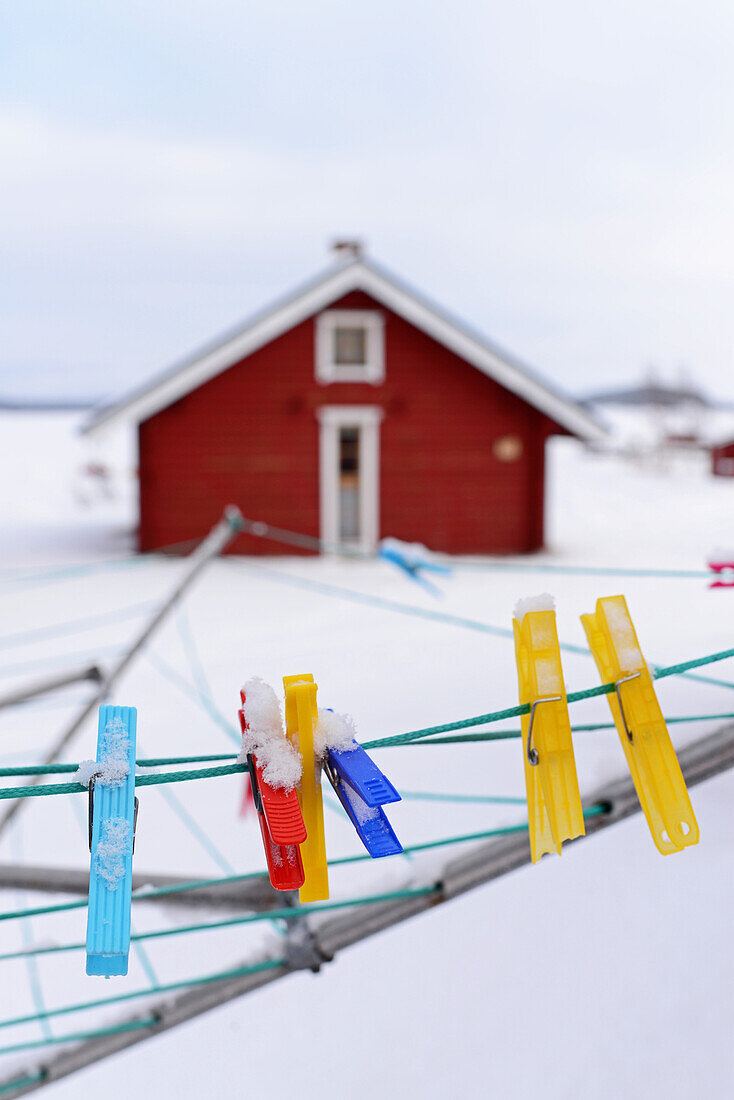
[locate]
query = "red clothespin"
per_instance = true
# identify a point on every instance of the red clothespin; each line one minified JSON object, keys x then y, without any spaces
{"x":248,"y":802}
{"x":723,"y":567}
{"x":281,"y":824}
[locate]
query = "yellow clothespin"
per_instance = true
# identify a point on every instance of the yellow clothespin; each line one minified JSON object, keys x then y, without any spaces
{"x":555,"y":813}
{"x":301,"y":715}
{"x":651,"y":757}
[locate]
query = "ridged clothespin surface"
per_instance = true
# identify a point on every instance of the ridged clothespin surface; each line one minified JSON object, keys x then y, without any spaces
{"x":555,"y":813}
{"x":279,"y":817}
{"x":112,"y":809}
{"x":641,"y":726}
{"x":301,"y":716}
{"x":363,"y":790}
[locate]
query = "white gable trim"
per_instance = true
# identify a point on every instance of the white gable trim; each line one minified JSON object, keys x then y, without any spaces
{"x":566,"y":413}
{"x":193,"y":374}
{"x":355,"y":276}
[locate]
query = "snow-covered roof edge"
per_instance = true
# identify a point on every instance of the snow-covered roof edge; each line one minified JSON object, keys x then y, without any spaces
{"x":403,"y":300}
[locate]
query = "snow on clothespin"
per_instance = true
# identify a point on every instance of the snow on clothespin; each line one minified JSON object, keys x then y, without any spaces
{"x":358,"y":783}
{"x":721,"y":564}
{"x":413,"y":558}
{"x":555,"y":813}
{"x":275,"y":769}
{"x":650,"y":755}
{"x":112,"y":816}
{"x":301,"y":716}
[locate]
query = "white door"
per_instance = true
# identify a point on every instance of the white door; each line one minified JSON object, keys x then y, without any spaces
{"x":350,"y":475}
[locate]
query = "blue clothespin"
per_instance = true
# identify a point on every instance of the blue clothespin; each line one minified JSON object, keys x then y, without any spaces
{"x":363,"y":790}
{"x":112,"y":816}
{"x":412,"y":558}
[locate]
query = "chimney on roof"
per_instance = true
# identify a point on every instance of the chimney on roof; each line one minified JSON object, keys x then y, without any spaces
{"x":345,"y":250}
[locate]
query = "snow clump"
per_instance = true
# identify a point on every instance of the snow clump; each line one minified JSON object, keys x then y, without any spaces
{"x":264,"y":736}
{"x":543,"y":602}
{"x":362,"y":811}
{"x":628,"y":652}
{"x":85,"y":771}
{"x":113,"y":766}
{"x":114,"y":845}
{"x":334,"y":731}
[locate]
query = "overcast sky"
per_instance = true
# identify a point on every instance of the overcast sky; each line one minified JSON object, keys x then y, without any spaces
{"x":559,"y":174}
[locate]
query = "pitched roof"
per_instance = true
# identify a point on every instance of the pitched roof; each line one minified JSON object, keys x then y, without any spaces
{"x":360,"y":274}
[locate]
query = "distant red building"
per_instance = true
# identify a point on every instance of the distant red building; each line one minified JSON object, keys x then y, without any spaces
{"x":352,"y":410}
{"x":722,"y":459}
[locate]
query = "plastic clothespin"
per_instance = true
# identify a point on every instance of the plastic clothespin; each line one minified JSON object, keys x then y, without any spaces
{"x":413,"y":559}
{"x":281,"y":824}
{"x":362,"y":790}
{"x":112,"y":816}
{"x":247,"y":802}
{"x":555,"y":813}
{"x":650,"y":755}
{"x":722,"y":565}
{"x":301,"y":715}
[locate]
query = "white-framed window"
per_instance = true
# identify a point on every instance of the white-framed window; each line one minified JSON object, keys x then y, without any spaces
{"x":350,"y":346}
{"x":350,"y":475}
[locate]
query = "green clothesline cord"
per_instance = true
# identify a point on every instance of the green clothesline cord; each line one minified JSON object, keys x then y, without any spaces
{"x":77,"y":1036}
{"x":144,"y":762}
{"x":381,"y":742}
{"x":686,"y":666}
{"x":203,"y":701}
{"x":202,"y":697}
{"x":502,"y":830}
{"x":287,"y":914}
{"x":414,"y":735}
{"x":431,"y":796}
{"x":279,"y":534}
{"x":75,"y":626}
{"x":496,"y":735}
{"x":140,"y":781}
{"x":21,"y":1082}
{"x":71,"y":659}
{"x":382,"y":602}
{"x":141,"y":893}
{"x":354,"y":596}
{"x":164,"y":891}
{"x":168,"y":987}
{"x":16,"y":575}
{"x":518,"y":711}
{"x":581,"y":570}
{"x":708,"y":680}
{"x":201,"y":682}
{"x":502,"y":735}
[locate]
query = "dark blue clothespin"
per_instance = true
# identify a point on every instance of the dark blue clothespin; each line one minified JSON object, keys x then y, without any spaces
{"x":363,"y":790}
{"x":412,"y":559}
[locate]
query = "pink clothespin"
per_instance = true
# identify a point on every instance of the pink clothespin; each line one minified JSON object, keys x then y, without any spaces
{"x":723,"y":566}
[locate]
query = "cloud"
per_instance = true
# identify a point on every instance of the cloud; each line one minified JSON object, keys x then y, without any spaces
{"x":563,"y":179}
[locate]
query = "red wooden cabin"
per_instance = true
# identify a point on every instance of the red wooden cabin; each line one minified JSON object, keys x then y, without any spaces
{"x":352,"y":410}
{"x":722,"y":459}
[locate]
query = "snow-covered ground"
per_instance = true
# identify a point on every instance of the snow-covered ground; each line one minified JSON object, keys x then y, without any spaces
{"x":608,"y":971}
